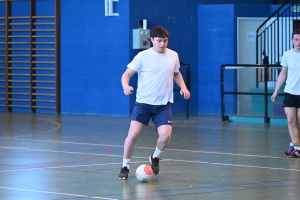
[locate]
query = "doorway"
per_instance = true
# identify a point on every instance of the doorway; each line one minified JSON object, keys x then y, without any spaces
{"x":246,"y":54}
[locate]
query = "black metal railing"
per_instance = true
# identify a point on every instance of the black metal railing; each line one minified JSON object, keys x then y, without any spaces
{"x":273,"y":37}
{"x":232,"y":81}
{"x":188,"y":85}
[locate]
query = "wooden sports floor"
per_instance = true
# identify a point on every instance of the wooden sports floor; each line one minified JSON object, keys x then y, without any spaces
{"x":76,"y":157}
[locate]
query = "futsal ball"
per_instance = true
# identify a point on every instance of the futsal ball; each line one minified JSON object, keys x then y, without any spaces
{"x":144,"y":173}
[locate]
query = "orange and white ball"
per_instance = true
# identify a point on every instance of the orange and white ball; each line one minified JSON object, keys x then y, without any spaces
{"x":144,"y":173}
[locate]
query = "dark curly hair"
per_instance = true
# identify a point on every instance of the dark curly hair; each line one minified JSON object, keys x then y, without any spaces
{"x":295,"y":32}
{"x":159,"y":32}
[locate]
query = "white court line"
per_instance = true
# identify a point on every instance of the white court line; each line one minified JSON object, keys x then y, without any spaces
{"x":64,"y":166}
{"x":52,"y":151}
{"x":220,"y":153}
{"x":164,"y":160}
{"x":234,"y":165}
{"x":179,"y":150}
{"x":186,"y":161}
{"x":56,"y":193}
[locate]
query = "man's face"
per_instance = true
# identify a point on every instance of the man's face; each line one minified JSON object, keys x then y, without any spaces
{"x":296,"y":42}
{"x":159,"y":44}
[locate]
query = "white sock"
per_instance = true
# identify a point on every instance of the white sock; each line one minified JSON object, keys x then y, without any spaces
{"x":295,"y":146}
{"x":126,"y":162}
{"x":157,"y":153}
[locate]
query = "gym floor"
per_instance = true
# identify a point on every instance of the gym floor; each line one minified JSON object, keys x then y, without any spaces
{"x":60,"y":157}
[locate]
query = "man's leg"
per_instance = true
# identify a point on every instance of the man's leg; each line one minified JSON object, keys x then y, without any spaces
{"x":293,"y":121}
{"x":164,"y":138}
{"x":298,"y":123}
{"x":134,"y":133}
{"x":164,"y":133}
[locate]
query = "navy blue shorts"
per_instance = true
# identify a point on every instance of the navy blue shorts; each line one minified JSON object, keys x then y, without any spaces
{"x":291,"y":100}
{"x":160,"y":114}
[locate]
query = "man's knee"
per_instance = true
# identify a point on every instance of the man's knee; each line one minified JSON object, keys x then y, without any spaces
{"x":165,"y":132}
{"x":133,"y":136}
{"x":165,"y":136}
{"x":292,"y":121}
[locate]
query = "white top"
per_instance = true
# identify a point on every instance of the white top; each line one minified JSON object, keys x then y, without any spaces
{"x":291,"y":60}
{"x":155,"y":76}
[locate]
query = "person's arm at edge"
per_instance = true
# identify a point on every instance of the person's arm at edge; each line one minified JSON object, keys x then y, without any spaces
{"x":125,"y":81}
{"x":280,"y":81}
{"x":180,"y":82}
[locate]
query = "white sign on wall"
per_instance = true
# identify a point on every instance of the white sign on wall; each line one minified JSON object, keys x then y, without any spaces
{"x":109,"y":8}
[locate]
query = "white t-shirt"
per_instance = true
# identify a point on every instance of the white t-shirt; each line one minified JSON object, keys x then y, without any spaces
{"x":155,"y":76}
{"x":291,"y":60}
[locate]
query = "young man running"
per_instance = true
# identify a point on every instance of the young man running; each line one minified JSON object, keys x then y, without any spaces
{"x":157,"y":68}
{"x":291,"y":70}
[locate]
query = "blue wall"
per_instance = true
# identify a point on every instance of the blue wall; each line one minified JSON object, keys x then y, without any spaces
{"x":217,"y":44}
{"x":94,"y":53}
{"x":95,"y":49}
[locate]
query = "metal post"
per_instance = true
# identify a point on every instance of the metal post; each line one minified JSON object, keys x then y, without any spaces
{"x":57,"y":56}
{"x":222,"y":92}
{"x":266,"y":118}
{"x":188,"y":74}
{"x":8,"y":90}
{"x":32,"y":58}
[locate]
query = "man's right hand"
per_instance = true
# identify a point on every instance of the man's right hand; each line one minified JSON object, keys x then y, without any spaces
{"x":128,"y":90}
